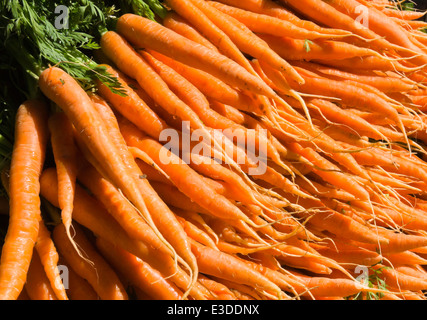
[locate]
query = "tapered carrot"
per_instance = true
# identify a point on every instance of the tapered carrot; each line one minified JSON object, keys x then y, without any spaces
{"x":148,"y":34}
{"x":326,"y":14}
{"x":93,"y":268}
{"x":31,"y":136}
{"x":212,"y":87}
{"x":65,"y":155}
{"x":89,"y":213}
{"x":38,"y":286}
{"x":200,"y":105}
{"x":381,"y":25}
{"x":221,"y":291}
{"x":119,"y":207}
{"x":56,"y":84}
{"x":271,"y":8}
{"x":226,"y":268}
{"x":138,"y":272}
{"x":49,"y":258}
{"x":297,"y":49}
{"x":132,"y":106}
{"x":246,"y":40}
{"x":323,"y":286}
{"x":262,"y":23}
{"x":181,"y":174}
{"x":180,"y":25}
{"x":210,"y":30}
{"x":161,"y":214}
{"x":78,"y":288}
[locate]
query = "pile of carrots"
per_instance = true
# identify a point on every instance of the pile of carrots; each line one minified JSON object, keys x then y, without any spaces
{"x":340,"y":211}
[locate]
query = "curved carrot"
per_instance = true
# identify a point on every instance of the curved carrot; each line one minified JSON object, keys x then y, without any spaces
{"x":132,"y":106}
{"x":56,"y":84}
{"x":49,"y":258}
{"x":271,"y":8}
{"x":38,"y":286}
{"x":138,"y":272}
{"x":210,"y":30}
{"x":31,"y":136}
{"x":247,"y":41}
{"x":65,"y":156}
{"x":229,"y":268}
{"x":382,"y":25}
{"x":93,"y":268}
{"x":148,"y":34}
{"x":162,"y":216}
{"x":210,"y":86}
{"x":78,"y":288}
{"x":262,"y":23}
{"x":182,"y":175}
{"x":180,"y":25}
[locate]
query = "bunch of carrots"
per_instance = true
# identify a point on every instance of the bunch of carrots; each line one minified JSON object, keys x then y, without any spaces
{"x":340,"y":211}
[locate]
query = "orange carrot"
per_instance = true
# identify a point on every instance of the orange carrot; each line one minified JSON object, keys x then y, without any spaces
{"x":161,"y":214}
{"x":148,"y":34}
{"x":262,"y":23}
{"x":65,"y":155}
{"x":180,"y":25}
{"x":138,"y":272}
{"x":49,"y":257}
{"x":271,"y":8}
{"x":78,"y":287}
{"x":93,"y":267}
{"x":229,"y":268}
{"x":210,"y":86}
{"x":38,"y":286}
{"x":132,"y":106}
{"x":31,"y":136}
{"x":210,"y":30}
{"x":247,"y":41}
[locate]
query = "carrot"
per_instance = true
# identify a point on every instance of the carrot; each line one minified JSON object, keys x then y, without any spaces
{"x":132,"y":106}
{"x":38,"y":286}
{"x":28,"y":155}
{"x":78,"y":287}
{"x":79,"y":108}
{"x":400,"y":281}
{"x":111,"y":156}
{"x":324,"y":13}
{"x":162,"y":215}
{"x":221,"y":291}
{"x":262,"y":23}
{"x":327,"y":287}
{"x":210,"y":30}
{"x":118,"y":206}
{"x":383,"y":26}
{"x":49,"y":257}
{"x":147,"y":34}
{"x":276,"y":10}
{"x":229,"y":268}
{"x":297,"y":49}
{"x":65,"y":155}
{"x":200,"y":105}
{"x":210,"y":86}
{"x":138,"y":272}
{"x":180,"y":25}
{"x":367,"y":63}
{"x":89,"y":213}
{"x":95,"y":269}
{"x":330,"y":173}
{"x":402,"y":14}
{"x":247,"y":41}
{"x":387,"y":83}
{"x":186,"y":179}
